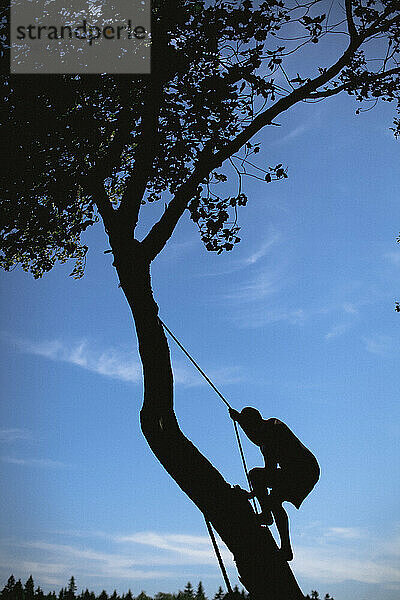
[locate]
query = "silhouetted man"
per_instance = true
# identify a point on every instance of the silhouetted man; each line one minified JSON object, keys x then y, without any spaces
{"x":291,"y":470}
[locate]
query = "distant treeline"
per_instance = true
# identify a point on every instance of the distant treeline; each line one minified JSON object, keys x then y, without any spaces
{"x":14,"y":590}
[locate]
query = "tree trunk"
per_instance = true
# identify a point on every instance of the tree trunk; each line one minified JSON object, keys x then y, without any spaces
{"x":264,"y":574}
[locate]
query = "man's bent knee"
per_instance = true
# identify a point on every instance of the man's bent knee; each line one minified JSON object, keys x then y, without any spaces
{"x":257,"y":477}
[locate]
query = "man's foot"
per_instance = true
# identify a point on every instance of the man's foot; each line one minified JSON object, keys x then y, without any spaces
{"x":286,"y":554}
{"x":265,"y":518}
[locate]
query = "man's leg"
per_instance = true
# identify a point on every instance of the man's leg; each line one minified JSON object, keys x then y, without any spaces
{"x":282,"y":525}
{"x":259,"y":485}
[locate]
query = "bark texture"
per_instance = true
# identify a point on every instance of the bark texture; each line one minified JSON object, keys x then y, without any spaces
{"x":263,"y":573}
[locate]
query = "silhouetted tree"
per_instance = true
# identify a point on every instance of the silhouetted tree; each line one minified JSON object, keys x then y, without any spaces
{"x":220,"y":594}
{"x":88,"y":595}
{"x":104,"y":146}
{"x":29,"y":589}
{"x":143,"y":596}
{"x":18,"y":591}
{"x":12,"y":590}
{"x":8,"y":589}
{"x":236,"y":594}
{"x":164,"y":596}
{"x":200,"y":595}
{"x":63,"y":594}
{"x":70,"y":594}
{"x":39,"y":594}
{"x":188,"y":592}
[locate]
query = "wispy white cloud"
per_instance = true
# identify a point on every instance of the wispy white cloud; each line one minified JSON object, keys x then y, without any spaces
{"x":336,"y":331}
{"x":266,"y":313}
{"x":347,"y":533}
{"x":340,"y":554}
{"x":294,"y":133}
{"x":140,"y":556}
{"x":262,"y":278}
{"x":378,"y":344}
{"x":260,"y":286}
{"x":118,"y":364}
{"x":12,"y":435}
{"x":335,"y":555}
{"x":157,"y":540}
{"x":260,"y":302}
{"x":347,"y":312}
{"x":34,"y":462}
{"x":255,"y":256}
{"x":262,"y":316}
{"x":334,"y":565}
{"x":175,"y":250}
{"x":260,"y":299}
{"x":186,"y":548}
{"x":263,"y":250}
{"x":60,"y":560}
{"x":110,"y":362}
{"x":308,"y":124}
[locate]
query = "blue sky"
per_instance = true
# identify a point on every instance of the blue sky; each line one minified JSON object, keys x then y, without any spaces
{"x":298,"y":321}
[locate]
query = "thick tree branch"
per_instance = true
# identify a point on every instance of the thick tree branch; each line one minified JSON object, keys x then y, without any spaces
{"x":93,"y":182}
{"x":111,"y":159}
{"x":94,"y":186}
{"x":147,"y":146}
{"x":350,"y":21}
{"x":163,"y":229}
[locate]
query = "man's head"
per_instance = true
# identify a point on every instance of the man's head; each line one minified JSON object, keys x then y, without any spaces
{"x":251,"y":415}
{"x":251,"y":421}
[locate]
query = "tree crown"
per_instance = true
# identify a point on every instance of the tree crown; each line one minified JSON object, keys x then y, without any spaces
{"x":106,"y":145}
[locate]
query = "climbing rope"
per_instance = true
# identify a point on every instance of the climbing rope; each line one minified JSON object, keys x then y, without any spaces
{"x":224,"y":400}
{"x":242,"y":456}
{"x":218,"y":555}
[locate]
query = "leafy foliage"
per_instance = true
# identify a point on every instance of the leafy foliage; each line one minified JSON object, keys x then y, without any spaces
{"x":75,"y":146}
